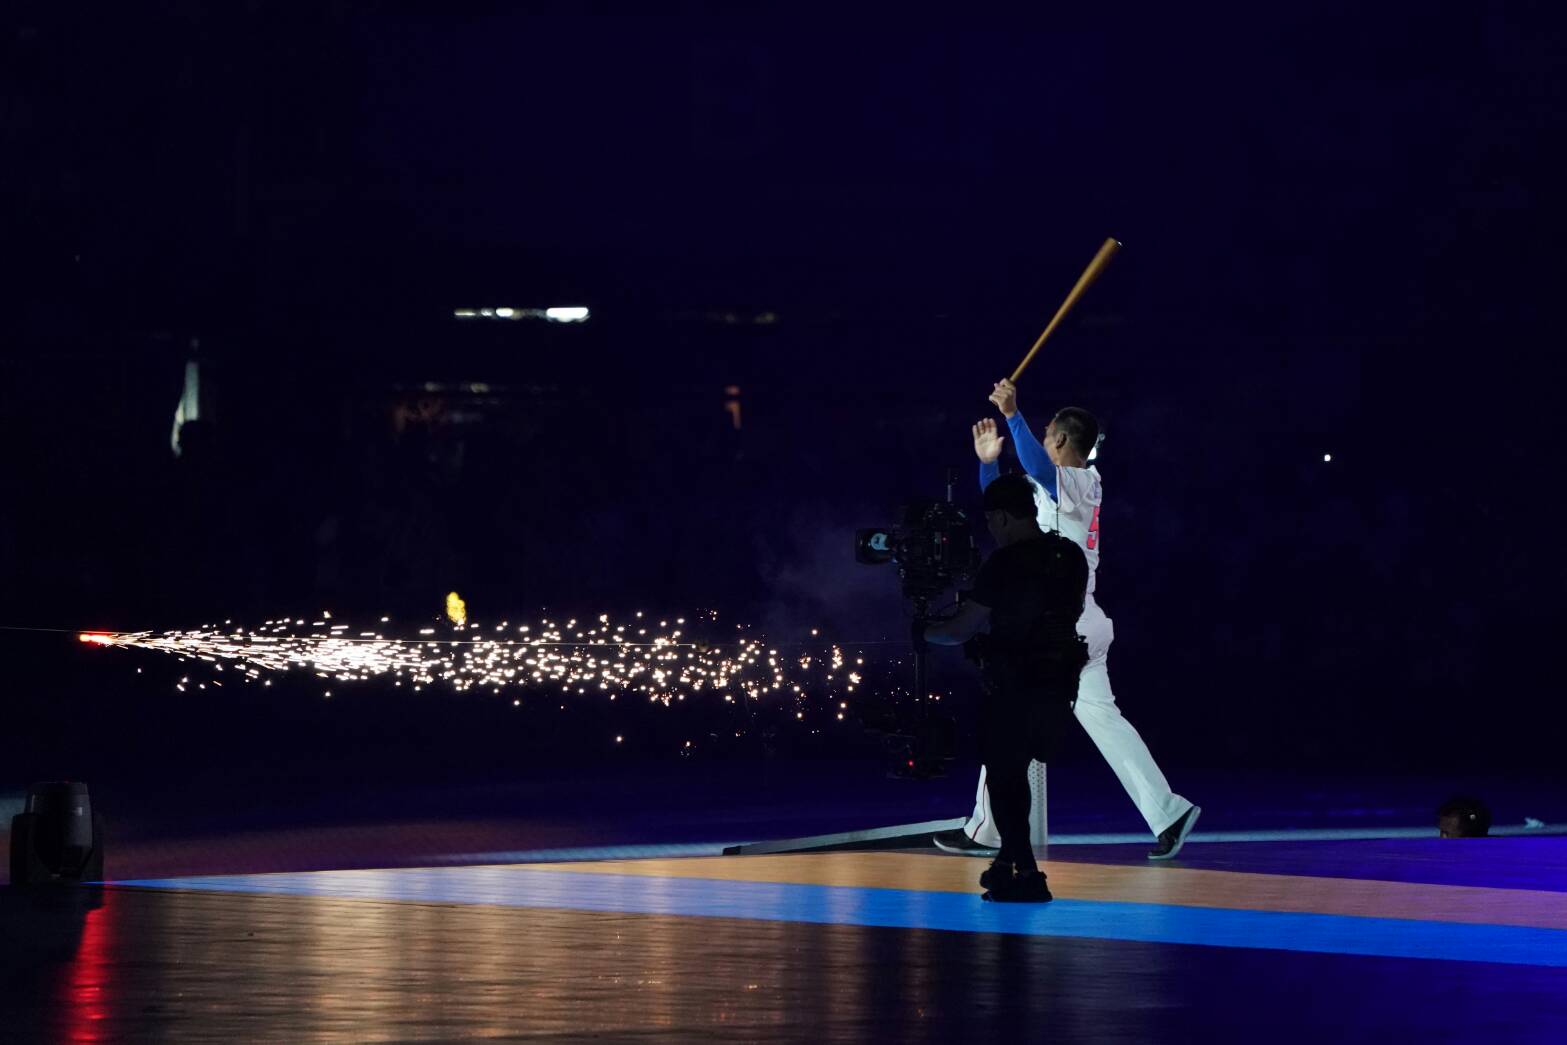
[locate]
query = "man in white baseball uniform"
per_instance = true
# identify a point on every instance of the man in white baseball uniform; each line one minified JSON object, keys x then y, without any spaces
{"x":1069,"y":494}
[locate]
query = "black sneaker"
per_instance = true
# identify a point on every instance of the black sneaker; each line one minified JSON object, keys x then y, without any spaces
{"x":1028,"y":887}
{"x":955,"y":841}
{"x":1173,"y":837}
{"x":999,"y":873}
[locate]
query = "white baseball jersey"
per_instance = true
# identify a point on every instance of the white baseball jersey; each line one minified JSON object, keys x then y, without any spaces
{"x":1075,"y":511}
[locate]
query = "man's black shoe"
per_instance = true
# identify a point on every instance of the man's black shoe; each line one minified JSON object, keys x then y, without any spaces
{"x":999,"y":873}
{"x":1173,"y":837}
{"x":956,"y":841}
{"x":1028,"y":887}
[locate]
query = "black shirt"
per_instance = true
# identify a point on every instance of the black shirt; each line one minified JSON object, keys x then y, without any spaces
{"x":1034,"y":590}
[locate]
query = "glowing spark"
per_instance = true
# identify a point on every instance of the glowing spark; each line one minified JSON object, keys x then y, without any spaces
{"x":456,"y":609}
{"x":595,"y":659}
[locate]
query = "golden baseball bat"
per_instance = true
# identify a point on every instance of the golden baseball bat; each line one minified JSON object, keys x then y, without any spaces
{"x":1092,"y":272}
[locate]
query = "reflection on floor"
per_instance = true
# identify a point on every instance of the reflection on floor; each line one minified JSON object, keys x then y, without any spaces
{"x":1447,"y":940}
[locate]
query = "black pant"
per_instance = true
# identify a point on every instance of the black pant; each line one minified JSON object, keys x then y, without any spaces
{"x":1015,"y":730}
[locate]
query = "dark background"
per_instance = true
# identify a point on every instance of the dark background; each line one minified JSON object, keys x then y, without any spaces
{"x":1341,"y":236}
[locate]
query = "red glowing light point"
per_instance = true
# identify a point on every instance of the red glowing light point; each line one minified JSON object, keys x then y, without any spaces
{"x":100,"y":637}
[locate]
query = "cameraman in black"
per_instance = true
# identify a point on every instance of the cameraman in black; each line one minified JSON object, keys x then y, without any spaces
{"x":1020,"y":620}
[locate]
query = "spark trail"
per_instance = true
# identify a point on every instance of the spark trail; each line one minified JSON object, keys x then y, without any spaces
{"x":655,"y":660}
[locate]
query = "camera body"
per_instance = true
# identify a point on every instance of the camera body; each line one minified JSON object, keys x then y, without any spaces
{"x":934,"y":549}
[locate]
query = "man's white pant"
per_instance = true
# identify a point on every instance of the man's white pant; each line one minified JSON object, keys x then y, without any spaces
{"x":1115,"y":738}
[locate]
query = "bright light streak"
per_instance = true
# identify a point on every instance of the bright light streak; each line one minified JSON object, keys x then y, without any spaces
{"x":588,"y":660}
{"x":558,"y":314}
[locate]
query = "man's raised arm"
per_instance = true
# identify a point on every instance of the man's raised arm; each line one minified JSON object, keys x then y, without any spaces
{"x":987,"y":447}
{"x":1036,"y":462}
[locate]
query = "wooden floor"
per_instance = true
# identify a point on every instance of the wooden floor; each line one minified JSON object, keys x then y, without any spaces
{"x":1148,"y":884}
{"x":820,"y":948}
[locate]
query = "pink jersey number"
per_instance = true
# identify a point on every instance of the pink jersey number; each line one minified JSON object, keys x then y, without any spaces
{"x":1093,"y":531}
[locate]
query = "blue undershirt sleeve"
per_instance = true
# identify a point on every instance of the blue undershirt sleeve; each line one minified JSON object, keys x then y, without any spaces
{"x":1035,"y":461}
{"x":989,"y":472}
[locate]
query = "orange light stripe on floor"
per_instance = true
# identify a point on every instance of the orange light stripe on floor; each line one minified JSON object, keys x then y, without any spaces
{"x":1177,"y":886}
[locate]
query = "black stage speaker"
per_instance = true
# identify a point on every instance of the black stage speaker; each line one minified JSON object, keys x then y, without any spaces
{"x":57,"y":838}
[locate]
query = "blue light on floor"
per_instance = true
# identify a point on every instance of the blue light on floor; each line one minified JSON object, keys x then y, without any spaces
{"x":907,"y":909}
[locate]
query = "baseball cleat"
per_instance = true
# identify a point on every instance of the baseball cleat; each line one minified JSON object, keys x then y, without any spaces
{"x":960,"y":844}
{"x":1173,"y":837}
